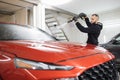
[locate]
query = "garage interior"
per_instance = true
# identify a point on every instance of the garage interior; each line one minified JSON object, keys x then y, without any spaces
{"x":24,"y":12}
{"x":52,"y":16}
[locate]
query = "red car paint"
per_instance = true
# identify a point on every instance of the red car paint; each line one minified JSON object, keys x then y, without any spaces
{"x":82,"y":57}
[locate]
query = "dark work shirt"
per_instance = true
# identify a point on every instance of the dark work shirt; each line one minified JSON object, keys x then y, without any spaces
{"x":93,"y":31}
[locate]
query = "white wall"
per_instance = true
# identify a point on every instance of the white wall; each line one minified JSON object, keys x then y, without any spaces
{"x":110,"y":20}
{"x":7,"y":18}
{"x":74,"y":35}
{"x":39,"y":16}
{"x":20,"y":17}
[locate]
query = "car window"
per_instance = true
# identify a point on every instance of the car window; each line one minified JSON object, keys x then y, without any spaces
{"x":118,"y":38}
{"x":117,"y":41}
{"x":16,"y":32}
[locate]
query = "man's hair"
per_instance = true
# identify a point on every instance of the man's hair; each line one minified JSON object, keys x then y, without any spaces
{"x":95,"y":15}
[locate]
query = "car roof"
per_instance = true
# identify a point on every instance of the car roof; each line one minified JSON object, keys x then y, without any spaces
{"x":29,"y":27}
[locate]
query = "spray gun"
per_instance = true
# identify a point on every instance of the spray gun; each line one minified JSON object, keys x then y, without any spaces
{"x":73,"y":19}
{"x":81,"y":15}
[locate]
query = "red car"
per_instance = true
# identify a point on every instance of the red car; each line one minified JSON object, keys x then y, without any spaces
{"x":31,"y":54}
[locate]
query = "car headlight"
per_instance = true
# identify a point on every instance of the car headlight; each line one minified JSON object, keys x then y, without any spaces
{"x":27,"y":64}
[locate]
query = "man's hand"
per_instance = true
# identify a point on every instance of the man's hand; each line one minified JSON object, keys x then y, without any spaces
{"x":82,"y":16}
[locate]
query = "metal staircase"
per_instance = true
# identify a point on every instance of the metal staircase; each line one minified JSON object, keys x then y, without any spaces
{"x":53,"y":24}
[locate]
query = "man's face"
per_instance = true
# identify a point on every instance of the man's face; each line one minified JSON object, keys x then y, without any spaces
{"x":94,"y":19}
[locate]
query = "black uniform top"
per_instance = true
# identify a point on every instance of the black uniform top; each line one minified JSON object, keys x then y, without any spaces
{"x":93,"y":31}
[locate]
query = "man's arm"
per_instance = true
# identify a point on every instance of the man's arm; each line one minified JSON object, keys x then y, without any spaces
{"x":88,"y":22}
{"x":92,"y":29}
{"x":81,"y":28}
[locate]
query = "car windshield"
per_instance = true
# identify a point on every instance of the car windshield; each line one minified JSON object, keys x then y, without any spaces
{"x":16,"y":32}
{"x":117,"y":37}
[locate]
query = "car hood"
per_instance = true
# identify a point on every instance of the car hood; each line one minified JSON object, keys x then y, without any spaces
{"x":49,"y":51}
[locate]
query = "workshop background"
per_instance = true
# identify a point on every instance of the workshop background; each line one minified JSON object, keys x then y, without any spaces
{"x":44,"y":14}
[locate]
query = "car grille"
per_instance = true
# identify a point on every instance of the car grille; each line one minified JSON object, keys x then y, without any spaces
{"x":106,"y":71}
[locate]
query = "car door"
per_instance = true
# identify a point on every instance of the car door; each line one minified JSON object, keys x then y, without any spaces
{"x":114,"y":46}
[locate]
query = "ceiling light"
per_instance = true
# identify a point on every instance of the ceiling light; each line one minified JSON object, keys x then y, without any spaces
{"x":55,"y":2}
